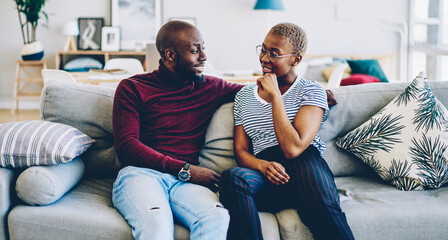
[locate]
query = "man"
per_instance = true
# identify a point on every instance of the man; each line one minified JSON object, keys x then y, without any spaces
{"x":159,"y":122}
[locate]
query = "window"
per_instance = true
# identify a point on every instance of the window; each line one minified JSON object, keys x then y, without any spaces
{"x":428,"y":38}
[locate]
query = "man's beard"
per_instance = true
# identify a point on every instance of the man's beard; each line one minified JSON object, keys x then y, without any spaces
{"x":184,"y":71}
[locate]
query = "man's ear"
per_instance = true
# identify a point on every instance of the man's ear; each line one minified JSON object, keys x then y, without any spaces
{"x":170,"y":55}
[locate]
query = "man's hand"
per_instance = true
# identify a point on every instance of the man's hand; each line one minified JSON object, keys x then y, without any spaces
{"x":205,"y":177}
{"x":274,"y":172}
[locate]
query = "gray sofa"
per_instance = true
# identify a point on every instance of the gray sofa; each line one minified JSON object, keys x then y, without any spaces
{"x":375,"y":209}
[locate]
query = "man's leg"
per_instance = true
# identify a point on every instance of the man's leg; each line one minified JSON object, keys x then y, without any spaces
{"x":141,"y":196}
{"x":199,"y":209}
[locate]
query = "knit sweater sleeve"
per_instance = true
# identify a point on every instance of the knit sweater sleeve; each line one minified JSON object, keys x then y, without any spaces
{"x":126,"y":128}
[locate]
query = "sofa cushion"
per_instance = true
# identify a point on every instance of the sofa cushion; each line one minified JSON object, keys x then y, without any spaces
{"x":369,"y":67}
{"x":377,"y":210}
{"x":406,"y":141}
{"x":43,"y":185}
{"x":32,"y":143}
{"x":357,"y":104}
{"x":89,"y":109}
{"x":217,"y":153}
{"x":358,"y":78}
{"x":87,"y":212}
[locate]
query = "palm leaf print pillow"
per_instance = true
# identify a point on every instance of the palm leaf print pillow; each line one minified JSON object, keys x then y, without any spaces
{"x":405,"y":142}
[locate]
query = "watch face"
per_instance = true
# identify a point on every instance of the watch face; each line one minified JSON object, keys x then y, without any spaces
{"x":184,"y":175}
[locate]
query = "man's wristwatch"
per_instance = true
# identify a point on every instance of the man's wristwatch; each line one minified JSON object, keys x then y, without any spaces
{"x":184,"y":173}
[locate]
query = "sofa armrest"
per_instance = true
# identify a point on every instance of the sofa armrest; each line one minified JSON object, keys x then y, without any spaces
{"x":6,"y":179}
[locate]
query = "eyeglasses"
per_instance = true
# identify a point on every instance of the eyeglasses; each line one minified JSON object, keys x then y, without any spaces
{"x":272,"y":56}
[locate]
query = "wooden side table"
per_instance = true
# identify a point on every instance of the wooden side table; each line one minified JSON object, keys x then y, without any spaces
{"x":28,"y":73}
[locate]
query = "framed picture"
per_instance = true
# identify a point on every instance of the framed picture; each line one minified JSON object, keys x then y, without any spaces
{"x":89,"y":37}
{"x":190,"y":20}
{"x":110,"y":38}
{"x":139,"y":21}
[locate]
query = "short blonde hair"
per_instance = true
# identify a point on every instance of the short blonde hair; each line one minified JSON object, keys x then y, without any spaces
{"x":296,"y":36}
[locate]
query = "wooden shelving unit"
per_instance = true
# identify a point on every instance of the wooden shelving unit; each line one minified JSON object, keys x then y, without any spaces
{"x":64,"y":57}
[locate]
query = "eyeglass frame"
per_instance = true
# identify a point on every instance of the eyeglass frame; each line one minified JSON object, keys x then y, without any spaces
{"x":260,"y":52}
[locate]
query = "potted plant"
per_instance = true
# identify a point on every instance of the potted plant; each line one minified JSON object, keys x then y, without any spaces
{"x":32,"y":12}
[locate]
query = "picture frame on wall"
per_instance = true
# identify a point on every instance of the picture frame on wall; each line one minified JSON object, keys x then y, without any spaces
{"x":139,"y":21}
{"x":89,"y":37}
{"x":110,"y":38}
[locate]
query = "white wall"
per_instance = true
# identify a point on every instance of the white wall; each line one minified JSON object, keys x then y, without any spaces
{"x":231,"y":28}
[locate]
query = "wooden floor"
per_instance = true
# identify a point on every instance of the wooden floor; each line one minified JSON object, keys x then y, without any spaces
{"x":22,"y":115}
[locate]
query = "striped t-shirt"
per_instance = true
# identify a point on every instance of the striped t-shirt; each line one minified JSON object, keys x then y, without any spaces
{"x":255,"y":114}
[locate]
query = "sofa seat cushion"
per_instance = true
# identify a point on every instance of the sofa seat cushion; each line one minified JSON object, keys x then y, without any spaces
{"x":377,"y":210}
{"x":87,"y":212}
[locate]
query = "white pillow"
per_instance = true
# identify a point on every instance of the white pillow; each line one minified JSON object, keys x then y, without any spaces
{"x":406,"y":142}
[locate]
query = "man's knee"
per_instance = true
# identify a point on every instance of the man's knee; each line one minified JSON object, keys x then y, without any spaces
{"x":219,"y":214}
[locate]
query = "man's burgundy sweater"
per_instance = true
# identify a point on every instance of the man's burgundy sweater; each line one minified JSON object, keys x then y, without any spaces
{"x":160,"y":119}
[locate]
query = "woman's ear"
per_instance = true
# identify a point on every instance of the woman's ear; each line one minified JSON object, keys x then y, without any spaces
{"x":297,"y":60}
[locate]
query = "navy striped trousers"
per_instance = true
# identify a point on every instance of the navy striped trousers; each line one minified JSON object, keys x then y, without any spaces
{"x":311,"y":191}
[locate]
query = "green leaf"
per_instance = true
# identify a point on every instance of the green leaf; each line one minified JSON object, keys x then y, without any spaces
{"x":430,"y":157}
{"x":379,"y":134}
{"x":410,"y":92}
{"x":407,"y":184}
{"x":430,"y":112}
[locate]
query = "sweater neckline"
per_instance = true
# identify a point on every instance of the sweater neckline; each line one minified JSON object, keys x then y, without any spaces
{"x":171,"y":80}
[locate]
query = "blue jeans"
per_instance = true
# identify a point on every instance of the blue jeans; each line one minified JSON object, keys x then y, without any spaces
{"x":149,"y":199}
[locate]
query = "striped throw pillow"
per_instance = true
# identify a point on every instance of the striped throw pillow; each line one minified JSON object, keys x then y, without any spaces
{"x":32,"y":143}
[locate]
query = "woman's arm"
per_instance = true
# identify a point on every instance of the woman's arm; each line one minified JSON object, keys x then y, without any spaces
{"x":294,"y":138}
{"x":273,"y":171}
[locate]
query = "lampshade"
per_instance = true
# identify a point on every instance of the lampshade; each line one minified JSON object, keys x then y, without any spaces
{"x":70,"y":28}
{"x":269,"y":4}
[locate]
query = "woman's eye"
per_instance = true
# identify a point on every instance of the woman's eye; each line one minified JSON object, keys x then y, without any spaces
{"x":195,"y":51}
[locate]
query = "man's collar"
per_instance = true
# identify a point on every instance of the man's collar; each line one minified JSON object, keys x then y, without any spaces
{"x":170,"y":79}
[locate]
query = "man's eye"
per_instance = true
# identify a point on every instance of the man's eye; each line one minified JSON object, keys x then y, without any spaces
{"x":274,"y":54}
{"x":195,"y":51}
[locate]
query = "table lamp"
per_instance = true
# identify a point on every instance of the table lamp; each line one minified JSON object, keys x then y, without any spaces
{"x":70,"y":30}
{"x":269,"y":5}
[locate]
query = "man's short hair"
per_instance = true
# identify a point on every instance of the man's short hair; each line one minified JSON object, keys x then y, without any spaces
{"x":296,"y":36}
{"x":167,"y":35}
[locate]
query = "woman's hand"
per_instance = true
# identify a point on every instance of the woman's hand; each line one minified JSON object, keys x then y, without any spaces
{"x":268,"y":83}
{"x":274,"y":172}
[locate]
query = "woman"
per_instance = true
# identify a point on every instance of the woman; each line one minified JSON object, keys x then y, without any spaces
{"x":277,"y":146}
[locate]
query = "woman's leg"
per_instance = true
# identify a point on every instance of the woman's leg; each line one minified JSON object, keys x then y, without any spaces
{"x":238,"y":188}
{"x":317,"y":197}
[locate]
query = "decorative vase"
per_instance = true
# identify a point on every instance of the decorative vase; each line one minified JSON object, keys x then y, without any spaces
{"x":32,"y":51}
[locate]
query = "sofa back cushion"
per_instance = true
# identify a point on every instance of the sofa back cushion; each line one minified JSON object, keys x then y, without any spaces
{"x":357,"y":104}
{"x":217,"y":153}
{"x":89,"y":109}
